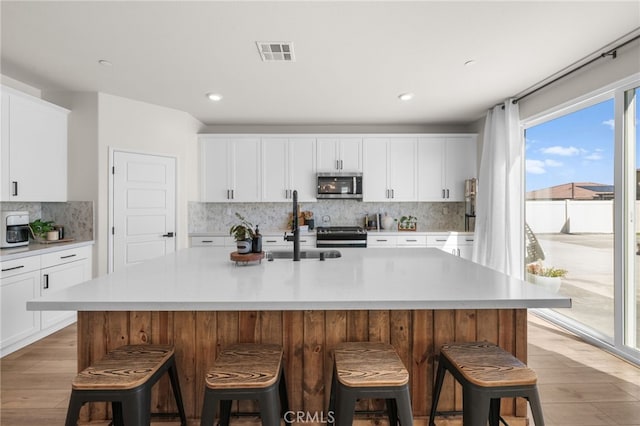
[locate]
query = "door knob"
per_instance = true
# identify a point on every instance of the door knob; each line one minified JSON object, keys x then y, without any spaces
{"x":168,"y":235}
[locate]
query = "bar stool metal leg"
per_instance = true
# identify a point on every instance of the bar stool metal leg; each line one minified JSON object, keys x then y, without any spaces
{"x":536,"y":407}
{"x":475,"y":406}
{"x":436,"y":392}
{"x":403,"y":406}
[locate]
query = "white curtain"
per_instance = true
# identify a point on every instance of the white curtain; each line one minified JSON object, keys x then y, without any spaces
{"x":499,"y":204}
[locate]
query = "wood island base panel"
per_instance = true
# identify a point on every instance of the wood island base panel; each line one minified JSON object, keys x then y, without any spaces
{"x":308,"y":338}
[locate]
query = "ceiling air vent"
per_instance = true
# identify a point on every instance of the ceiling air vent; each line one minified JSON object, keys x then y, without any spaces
{"x":276,"y":51}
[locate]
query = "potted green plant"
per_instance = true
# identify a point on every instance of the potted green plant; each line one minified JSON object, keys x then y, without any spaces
{"x":408,"y":223}
{"x":243,"y":233}
{"x":40,"y":228}
{"x":549,"y":278}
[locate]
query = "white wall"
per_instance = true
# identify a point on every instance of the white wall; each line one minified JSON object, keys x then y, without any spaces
{"x":129,"y":125}
{"x":570,"y":216}
{"x":595,"y":76}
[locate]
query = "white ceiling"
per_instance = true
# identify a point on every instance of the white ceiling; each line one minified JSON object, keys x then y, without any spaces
{"x":353,"y":58}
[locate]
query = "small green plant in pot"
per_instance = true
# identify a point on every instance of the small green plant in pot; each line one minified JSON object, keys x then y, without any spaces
{"x":243,"y":233}
{"x":39,"y":229}
{"x":407,"y":223}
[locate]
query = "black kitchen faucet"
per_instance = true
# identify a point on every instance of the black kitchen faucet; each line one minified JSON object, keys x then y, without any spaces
{"x":295,"y":229}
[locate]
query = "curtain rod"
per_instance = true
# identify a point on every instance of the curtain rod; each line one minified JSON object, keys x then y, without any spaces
{"x":611,"y":52}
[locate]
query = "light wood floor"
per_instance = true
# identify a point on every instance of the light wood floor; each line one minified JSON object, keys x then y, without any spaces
{"x":579,"y":384}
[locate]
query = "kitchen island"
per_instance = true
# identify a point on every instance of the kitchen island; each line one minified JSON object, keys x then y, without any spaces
{"x":200,"y":301}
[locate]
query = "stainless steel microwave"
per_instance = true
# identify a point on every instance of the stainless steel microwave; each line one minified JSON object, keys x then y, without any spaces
{"x":339,"y":185}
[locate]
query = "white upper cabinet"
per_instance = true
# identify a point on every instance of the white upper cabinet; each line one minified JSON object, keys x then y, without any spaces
{"x":444,"y":163}
{"x":33,"y":149}
{"x":230,"y":169}
{"x":288,"y":164}
{"x":411,"y":167}
{"x":390,"y":169}
{"x":340,"y":154}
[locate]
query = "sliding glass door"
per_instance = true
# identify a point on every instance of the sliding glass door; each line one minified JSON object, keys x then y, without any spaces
{"x":630,"y":292}
{"x":569,"y":210}
{"x":582,"y":213}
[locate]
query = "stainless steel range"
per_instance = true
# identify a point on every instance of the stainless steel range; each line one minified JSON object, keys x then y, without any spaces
{"x":341,"y":236}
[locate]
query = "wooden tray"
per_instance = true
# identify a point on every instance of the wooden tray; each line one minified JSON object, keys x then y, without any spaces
{"x":246,"y":257}
{"x":64,"y":240}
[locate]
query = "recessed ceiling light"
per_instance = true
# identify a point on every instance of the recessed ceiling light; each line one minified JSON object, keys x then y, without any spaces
{"x":470,"y":63}
{"x":105,"y":62}
{"x":214,"y":97}
{"x":405,"y":96}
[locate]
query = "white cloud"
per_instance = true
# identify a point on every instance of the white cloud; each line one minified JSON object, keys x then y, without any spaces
{"x":610,"y":123}
{"x":535,"y":167}
{"x":594,"y":157}
{"x":565,"y":151}
{"x":553,"y":163}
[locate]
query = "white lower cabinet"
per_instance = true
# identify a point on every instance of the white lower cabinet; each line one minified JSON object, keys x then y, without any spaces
{"x":19,"y":282}
{"x":269,"y":241}
{"x":278,"y":241}
{"x":62,"y":270}
{"x":453,"y":243}
{"x":28,"y":278}
{"x":457,"y":244}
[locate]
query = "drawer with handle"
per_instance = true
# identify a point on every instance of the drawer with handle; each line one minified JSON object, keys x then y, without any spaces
{"x":412,"y":241}
{"x":381,"y":240}
{"x":65,"y":256}
{"x":212,"y":241}
{"x":10,"y":268}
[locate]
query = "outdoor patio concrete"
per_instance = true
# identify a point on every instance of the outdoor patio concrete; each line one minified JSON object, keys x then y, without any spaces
{"x":588,"y":258}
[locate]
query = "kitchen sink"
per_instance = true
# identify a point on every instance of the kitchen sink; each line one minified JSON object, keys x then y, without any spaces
{"x":304,"y":254}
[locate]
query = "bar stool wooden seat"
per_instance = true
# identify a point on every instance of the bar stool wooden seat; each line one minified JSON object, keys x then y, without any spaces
{"x":246,"y":371}
{"x":369,"y":370}
{"x":125,"y":377}
{"x":486,"y":373}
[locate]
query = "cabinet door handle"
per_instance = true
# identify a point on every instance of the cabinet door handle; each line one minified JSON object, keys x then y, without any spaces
{"x":337,"y":164}
{"x":440,"y":240}
{"x":206,"y":241}
{"x":168,"y":235}
{"x":381,"y":241}
{"x":341,"y":165}
{"x":45,"y":285}
{"x":447,"y":193}
{"x":228,"y":193}
{"x":68,"y":256}
{"x":443,"y":194}
{"x":393,"y":193}
{"x":412,"y":241}
{"x":13,"y":269}
{"x":458,"y":252}
{"x":14,"y":184}
{"x":232,"y":194}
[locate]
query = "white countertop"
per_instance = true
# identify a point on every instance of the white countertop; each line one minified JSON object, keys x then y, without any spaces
{"x":203,"y":278}
{"x":36,"y":249}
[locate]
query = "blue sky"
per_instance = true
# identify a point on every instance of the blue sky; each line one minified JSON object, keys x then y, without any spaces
{"x":578,"y":147}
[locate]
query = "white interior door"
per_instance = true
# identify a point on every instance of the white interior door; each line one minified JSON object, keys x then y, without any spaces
{"x":144,"y":207}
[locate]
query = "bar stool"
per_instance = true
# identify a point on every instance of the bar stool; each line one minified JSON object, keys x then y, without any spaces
{"x":125,"y":377}
{"x":486,"y":373}
{"x":369,"y":370}
{"x":246,"y":371}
